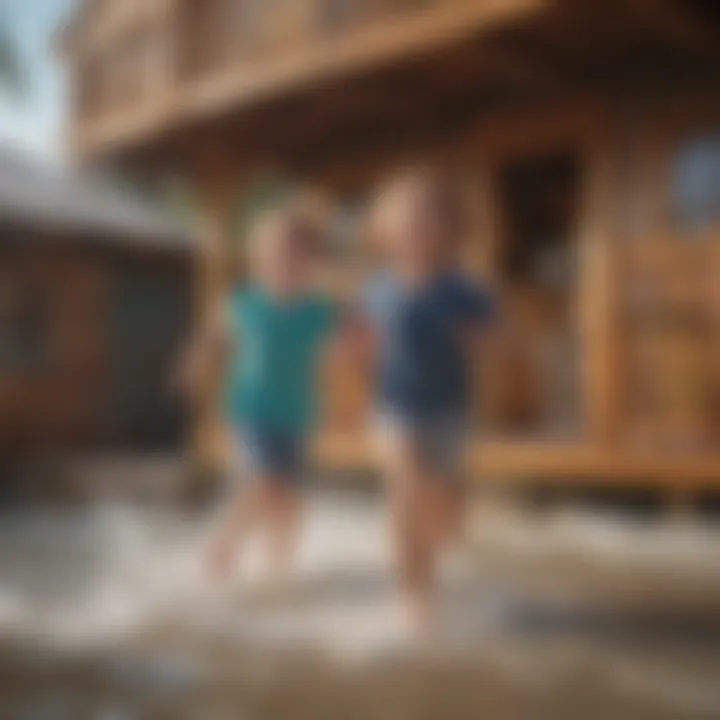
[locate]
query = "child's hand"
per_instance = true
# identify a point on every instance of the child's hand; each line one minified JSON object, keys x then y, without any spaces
{"x":354,"y":342}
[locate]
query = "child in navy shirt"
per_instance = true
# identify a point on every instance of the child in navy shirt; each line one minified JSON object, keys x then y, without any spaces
{"x":426,"y":319}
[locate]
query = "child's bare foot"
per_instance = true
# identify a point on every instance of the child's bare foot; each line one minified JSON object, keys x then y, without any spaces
{"x":418,"y":613}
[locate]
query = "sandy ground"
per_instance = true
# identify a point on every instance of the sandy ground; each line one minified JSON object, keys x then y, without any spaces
{"x":104,"y":615}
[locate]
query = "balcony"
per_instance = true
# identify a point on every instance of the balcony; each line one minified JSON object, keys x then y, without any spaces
{"x":222,"y":33}
{"x":205,"y":57}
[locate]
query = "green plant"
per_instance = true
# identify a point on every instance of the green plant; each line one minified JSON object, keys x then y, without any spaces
{"x":13,"y":78}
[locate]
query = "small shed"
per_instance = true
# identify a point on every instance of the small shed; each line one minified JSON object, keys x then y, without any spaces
{"x":95,"y":293}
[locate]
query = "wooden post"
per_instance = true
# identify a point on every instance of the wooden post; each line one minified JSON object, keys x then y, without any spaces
{"x":216,"y":187}
{"x":482,"y":261}
{"x":599,"y":284}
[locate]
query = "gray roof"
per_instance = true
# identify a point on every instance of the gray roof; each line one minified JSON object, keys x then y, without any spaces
{"x":55,"y":199}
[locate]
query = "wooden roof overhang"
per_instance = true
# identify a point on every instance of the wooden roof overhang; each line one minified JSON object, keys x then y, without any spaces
{"x":400,"y":87}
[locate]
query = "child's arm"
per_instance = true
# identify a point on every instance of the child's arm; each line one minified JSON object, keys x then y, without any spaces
{"x":347,"y":368}
{"x":352,"y":340}
{"x":209,"y":345}
{"x":356,"y":339}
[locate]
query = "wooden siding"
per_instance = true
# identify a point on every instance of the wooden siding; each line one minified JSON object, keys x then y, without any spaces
{"x":55,"y":403}
{"x":66,"y":398}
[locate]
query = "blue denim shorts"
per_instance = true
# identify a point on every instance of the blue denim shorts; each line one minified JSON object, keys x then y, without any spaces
{"x":441,"y":440}
{"x":271,"y":453}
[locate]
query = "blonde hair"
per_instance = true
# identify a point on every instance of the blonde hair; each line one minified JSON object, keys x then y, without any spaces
{"x":294,"y":222}
{"x":443,"y":188}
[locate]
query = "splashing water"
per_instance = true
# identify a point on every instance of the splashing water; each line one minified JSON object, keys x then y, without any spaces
{"x":532,"y":601}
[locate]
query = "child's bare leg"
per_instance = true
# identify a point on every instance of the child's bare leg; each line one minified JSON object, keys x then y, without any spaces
{"x":283,"y":513}
{"x":442,"y":508}
{"x":245,"y":511}
{"x":413,"y":552}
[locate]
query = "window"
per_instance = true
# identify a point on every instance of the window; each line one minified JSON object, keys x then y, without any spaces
{"x":540,"y":197}
{"x":23,"y":327}
{"x":696,"y":183}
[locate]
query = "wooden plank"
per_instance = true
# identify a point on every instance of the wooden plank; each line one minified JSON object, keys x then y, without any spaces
{"x":506,"y":461}
{"x":566,"y":123}
{"x":615,"y":466}
{"x":673,"y":22}
{"x":514,"y":65}
{"x":96,"y":25}
{"x":597,"y":290}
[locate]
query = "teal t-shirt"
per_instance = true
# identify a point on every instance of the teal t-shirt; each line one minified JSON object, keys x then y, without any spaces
{"x":271,"y":378}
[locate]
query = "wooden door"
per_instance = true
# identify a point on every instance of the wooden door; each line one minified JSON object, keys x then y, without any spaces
{"x":671,"y":303}
{"x":544,"y":247}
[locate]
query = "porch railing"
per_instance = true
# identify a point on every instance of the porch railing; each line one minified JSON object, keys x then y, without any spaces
{"x":144,"y":62}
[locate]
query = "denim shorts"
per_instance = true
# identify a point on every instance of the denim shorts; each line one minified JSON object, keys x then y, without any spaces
{"x":441,"y":440}
{"x":272,"y":453}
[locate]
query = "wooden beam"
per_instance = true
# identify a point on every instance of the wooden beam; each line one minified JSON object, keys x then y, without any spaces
{"x":508,"y":462}
{"x":94,"y":26}
{"x":519,"y":67}
{"x":598,"y":287}
{"x":672,"y":21}
{"x":617,"y":466}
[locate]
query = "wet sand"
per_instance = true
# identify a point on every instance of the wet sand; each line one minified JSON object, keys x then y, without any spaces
{"x":103,"y":615}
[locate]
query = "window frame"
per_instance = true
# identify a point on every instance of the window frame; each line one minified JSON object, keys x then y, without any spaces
{"x":694,"y":117}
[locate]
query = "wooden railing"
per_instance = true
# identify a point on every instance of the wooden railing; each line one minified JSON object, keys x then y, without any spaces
{"x":146,"y":61}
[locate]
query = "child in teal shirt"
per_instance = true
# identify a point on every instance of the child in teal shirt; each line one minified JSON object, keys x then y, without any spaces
{"x":276,"y":326}
{"x":271,"y":379}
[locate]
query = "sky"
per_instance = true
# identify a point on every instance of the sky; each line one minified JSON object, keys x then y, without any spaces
{"x":35,"y":122}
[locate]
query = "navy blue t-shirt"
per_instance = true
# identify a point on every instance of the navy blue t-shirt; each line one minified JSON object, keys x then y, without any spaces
{"x":423,"y":368}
